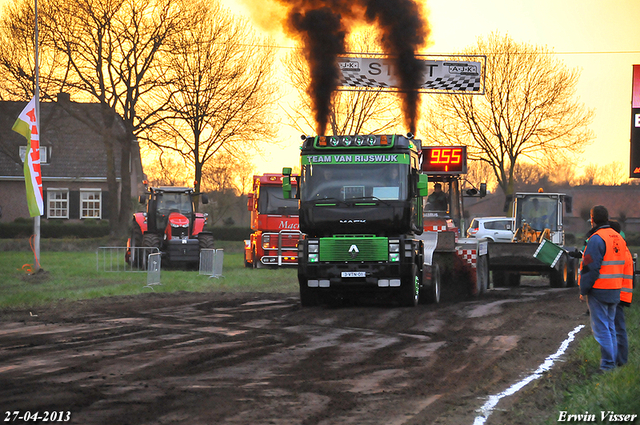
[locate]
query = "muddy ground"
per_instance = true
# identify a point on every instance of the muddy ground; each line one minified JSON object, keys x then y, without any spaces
{"x":221,"y":358}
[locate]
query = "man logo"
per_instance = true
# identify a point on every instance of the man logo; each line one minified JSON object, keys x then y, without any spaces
{"x":354,"y":251}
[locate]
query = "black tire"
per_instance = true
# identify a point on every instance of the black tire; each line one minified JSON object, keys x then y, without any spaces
{"x":410,"y":289}
{"x":559,"y":277}
{"x":257,"y":264}
{"x":149,"y":240}
{"x":499,"y":278}
{"x":574,"y":268}
{"x":135,"y":241}
{"x":513,"y":279}
{"x":308,"y":297}
{"x":482,"y":275}
{"x":205,"y":240}
{"x":433,"y":292}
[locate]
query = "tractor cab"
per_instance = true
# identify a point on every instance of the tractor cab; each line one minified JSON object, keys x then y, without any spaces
{"x":445,"y":167}
{"x":540,"y":215}
{"x":170,"y":206}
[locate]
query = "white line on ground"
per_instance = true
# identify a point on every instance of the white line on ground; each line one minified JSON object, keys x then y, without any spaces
{"x":493,"y":400}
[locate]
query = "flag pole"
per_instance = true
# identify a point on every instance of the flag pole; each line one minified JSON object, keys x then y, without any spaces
{"x":36,"y":220}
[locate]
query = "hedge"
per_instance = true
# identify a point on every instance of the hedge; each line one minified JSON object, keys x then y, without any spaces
{"x":23,"y":228}
{"x":230,"y":233}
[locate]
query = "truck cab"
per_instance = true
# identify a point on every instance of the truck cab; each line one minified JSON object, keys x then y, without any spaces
{"x":361,"y":210}
{"x":274,"y":221}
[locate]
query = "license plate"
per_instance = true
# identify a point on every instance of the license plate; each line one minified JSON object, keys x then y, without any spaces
{"x":354,"y":274}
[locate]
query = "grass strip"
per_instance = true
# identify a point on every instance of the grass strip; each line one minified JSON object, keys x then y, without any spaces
{"x":71,"y":276}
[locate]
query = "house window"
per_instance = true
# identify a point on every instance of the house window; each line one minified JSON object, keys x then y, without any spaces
{"x":58,"y":203}
{"x":90,"y":203}
{"x":44,"y":154}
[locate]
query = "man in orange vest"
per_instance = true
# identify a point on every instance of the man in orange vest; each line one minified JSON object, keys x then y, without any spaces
{"x":601,"y":277}
{"x":626,"y":293}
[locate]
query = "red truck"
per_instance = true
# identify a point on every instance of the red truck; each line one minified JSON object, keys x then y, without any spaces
{"x":274,"y":221}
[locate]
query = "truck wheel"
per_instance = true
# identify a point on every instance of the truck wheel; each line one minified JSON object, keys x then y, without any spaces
{"x":482,"y":275}
{"x":149,"y":240}
{"x":257,"y":264}
{"x":558,"y":278}
{"x":433,"y":292}
{"x":410,"y":289}
{"x":308,"y":297}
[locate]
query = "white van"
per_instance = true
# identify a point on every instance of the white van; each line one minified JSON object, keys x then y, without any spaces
{"x":494,"y":229}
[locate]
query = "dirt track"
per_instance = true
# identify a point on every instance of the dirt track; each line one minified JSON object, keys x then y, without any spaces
{"x":261,"y":359}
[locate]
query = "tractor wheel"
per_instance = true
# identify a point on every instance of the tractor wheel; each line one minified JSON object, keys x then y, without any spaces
{"x":149,"y":240}
{"x":559,"y":278}
{"x":134,"y":243}
{"x":206,"y":241}
{"x":410,"y":289}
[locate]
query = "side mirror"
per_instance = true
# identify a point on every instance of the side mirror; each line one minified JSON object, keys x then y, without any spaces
{"x":286,"y":185}
{"x":422,"y":185}
{"x":142,"y":199}
{"x":568,"y":204}
{"x":204,"y":198}
{"x":483,"y":190}
{"x":250,"y":201}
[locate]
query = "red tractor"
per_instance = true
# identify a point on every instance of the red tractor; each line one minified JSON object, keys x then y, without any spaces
{"x":171,"y":225}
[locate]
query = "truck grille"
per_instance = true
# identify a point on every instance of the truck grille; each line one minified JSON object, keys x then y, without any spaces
{"x":354,"y":248}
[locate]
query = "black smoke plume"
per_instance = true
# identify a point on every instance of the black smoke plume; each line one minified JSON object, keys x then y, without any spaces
{"x":320,"y":24}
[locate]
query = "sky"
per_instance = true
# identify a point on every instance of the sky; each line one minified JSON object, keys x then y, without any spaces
{"x":600,"y":38}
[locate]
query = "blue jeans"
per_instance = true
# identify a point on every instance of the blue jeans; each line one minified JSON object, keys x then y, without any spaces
{"x":604,"y":330}
{"x":621,"y":337}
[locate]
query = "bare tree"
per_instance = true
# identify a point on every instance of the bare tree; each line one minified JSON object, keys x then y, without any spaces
{"x":17,"y":56}
{"x":219,"y":90}
{"x":357,"y":111}
{"x":528,"y":111}
{"x":112,"y":48}
{"x":613,"y":174}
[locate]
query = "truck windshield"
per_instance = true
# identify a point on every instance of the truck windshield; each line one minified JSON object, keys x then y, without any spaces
{"x":539,"y":212}
{"x":354,"y":182}
{"x":271,"y":201}
{"x":174,"y":202}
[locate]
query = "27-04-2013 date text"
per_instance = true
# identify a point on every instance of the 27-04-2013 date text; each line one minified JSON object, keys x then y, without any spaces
{"x":46,"y":416}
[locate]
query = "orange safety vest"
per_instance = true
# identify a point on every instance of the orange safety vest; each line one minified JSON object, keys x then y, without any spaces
{"x":626,"y":292}
{"x":612,"y":267}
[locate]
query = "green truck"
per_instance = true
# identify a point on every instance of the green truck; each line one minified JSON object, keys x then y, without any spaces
{"x":361,"y":210}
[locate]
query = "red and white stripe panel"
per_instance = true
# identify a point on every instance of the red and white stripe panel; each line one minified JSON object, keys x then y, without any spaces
{"x":468,"y":255}
{"x":442,"y":228}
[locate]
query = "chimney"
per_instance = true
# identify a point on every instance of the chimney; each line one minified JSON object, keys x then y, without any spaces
{"x":63,"y":97}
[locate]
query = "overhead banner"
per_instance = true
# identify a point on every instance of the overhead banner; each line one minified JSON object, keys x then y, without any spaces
{"x":438,"y":75}
{"x":634,"y":162}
